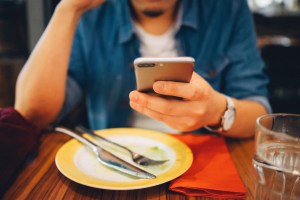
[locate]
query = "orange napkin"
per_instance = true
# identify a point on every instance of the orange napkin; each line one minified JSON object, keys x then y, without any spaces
{"x":212,"y":173}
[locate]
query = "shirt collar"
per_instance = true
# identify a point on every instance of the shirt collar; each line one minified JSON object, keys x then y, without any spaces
{"x":190,"y":9}
{"x":187,"y":16}
{"x":125,"y":21}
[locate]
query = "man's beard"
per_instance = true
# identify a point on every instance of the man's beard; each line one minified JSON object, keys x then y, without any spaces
{"x":153,"y":13}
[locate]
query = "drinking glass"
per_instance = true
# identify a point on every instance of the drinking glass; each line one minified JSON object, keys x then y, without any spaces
{"x":277,"y":157}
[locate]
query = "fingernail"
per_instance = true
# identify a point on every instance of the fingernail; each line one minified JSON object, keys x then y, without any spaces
{"x":158,"y":86}
{"x":133,"y":96}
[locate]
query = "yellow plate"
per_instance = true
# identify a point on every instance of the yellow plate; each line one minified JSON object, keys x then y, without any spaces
{"x":79,"y":164}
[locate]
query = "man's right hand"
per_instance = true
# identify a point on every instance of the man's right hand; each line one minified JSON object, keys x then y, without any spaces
{"x":81,"y":5}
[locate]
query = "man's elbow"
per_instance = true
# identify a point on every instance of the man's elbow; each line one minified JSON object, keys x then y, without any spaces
{"x":39,"y":116}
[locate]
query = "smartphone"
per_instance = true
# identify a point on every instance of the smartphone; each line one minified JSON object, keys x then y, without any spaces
{"x":149,"y":70}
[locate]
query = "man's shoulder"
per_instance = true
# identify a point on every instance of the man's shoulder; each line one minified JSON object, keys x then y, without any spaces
{"x":216,"y":10}
{"x":225,"y":5}
{"x":104,"y":11}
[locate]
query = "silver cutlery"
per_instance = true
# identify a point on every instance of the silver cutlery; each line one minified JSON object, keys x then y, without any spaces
{"x":137,"y":158}
{"x":108,"y":159}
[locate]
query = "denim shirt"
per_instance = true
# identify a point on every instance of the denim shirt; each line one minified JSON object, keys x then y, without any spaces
{"x":218,"y":34}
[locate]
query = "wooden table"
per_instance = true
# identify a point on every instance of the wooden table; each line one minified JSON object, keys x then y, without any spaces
{"x":40,"y":179}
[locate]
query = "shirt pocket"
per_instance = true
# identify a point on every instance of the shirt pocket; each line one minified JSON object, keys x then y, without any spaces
{"x":211,"y":69}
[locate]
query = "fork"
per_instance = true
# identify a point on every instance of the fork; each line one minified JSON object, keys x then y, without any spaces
{"x":108,"y":159}
{"x":137,"y":158}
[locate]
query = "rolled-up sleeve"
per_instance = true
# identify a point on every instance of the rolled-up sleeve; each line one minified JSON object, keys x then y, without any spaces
{"x":76,"y":76}
{"x":73,"y":97}
{"x":262,"y":100}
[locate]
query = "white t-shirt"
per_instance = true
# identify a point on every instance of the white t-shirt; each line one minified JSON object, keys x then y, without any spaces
{"x":157,"y":45}
{"x":154,"y":46}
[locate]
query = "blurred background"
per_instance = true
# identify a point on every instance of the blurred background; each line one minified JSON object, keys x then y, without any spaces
{"x":277,"y":25}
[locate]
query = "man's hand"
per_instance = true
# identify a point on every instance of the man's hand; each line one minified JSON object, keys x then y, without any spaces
{"x":81,"y":5}
{"x":200,"y":105}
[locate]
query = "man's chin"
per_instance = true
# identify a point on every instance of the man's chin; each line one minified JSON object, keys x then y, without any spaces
{"x":153,"y":13}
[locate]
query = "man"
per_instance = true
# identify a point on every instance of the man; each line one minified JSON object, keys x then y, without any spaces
{"x":218,"y":34}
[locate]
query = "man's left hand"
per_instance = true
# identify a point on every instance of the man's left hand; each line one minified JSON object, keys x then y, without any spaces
{"x":198,"y":104}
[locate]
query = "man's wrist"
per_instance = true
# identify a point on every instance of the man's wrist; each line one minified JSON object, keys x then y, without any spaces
{"x":220,"y":107}
{"x":69,"y":9}
{"x":227,"y":119}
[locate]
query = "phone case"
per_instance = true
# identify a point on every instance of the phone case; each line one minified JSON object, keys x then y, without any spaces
{"x":149,"y":70}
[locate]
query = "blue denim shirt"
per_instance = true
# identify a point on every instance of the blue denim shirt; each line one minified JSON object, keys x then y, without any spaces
{"x":218,"y":34}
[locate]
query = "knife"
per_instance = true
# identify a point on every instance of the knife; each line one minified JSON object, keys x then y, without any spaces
{"x":108,"y":159}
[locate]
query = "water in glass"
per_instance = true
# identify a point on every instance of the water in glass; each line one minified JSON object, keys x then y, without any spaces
{"x":277,"y":163}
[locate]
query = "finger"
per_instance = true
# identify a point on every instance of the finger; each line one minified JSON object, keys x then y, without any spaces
{"x":190,"y":91}
{"x":167,"y":119}
{"x":172,"y":107}
{"x":181,"y":123}
{"x":146,"y":111}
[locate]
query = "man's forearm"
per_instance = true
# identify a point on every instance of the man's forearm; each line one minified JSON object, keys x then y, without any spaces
{"x":41,"y":84}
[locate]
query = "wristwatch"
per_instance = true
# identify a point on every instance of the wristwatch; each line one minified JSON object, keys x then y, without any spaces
{"x":227,"y":119}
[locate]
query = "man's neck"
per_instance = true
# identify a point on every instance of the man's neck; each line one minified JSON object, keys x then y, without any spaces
{"x":156,"y":25}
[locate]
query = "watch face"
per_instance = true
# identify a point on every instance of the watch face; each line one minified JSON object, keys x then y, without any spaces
{"x":229,"y":116}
